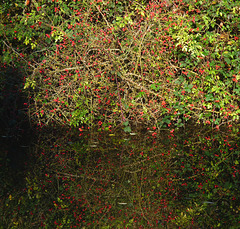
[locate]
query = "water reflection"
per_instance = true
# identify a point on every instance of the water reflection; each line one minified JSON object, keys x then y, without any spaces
{"x":187,"y":179}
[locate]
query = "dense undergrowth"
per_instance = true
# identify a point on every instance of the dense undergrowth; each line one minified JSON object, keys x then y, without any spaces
{"x":136,"y":110}
{"x":89,"y":62}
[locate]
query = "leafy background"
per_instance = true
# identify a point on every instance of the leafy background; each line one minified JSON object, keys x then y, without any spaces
{"x":135,"y":110}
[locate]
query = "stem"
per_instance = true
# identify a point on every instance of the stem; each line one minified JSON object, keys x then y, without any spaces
{"x":119,"y":97}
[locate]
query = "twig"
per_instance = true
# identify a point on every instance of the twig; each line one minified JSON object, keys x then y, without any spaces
{"x":18,"y":54}
{"x":103,"y":16}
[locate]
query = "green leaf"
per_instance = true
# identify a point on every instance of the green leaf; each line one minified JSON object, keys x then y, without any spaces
{"x":125,"y":105}
{"x":228,"y":61}
{"x":127,"y":129}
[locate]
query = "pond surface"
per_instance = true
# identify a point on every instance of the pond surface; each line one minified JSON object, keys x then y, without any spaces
{"x":145,"y":179}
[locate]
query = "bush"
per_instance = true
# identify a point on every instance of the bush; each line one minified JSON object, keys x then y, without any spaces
{"x":156,"y":63}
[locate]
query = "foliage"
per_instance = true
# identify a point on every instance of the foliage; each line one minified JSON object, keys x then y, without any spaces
{"x":169,"y":68}
{"x":151,"y":62}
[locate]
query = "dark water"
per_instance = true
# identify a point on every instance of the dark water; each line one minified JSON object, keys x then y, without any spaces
{"x":144,"y":179}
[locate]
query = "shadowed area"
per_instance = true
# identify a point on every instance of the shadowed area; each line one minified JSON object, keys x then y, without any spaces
{"x":15,"y":132}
